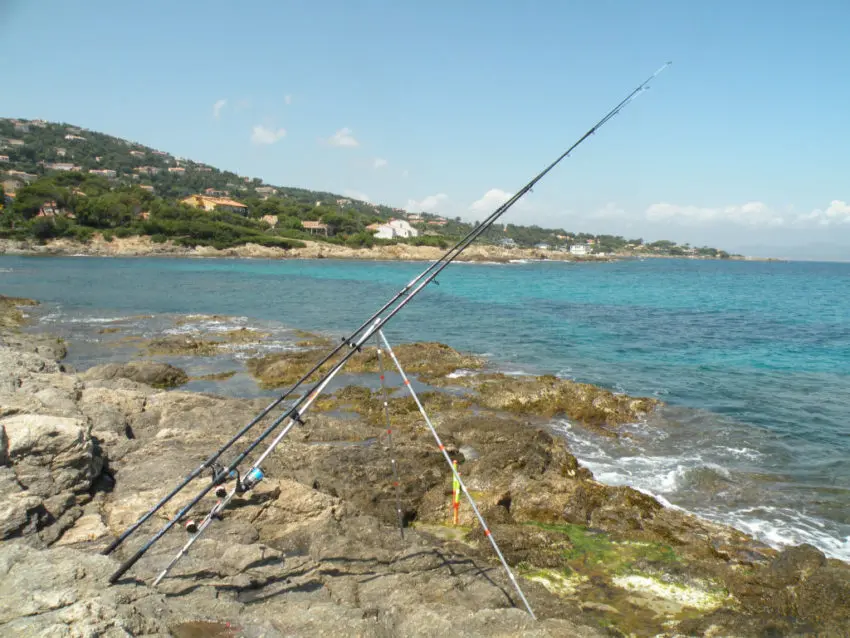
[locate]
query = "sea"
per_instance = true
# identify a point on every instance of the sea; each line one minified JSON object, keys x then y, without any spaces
{"x":752,"y":359}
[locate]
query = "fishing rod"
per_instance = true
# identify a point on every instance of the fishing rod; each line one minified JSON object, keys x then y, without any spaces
{"x":406,"y":295}
{"x":211,"y":461}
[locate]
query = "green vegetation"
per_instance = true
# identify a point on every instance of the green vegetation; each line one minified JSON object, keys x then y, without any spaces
{"x":597,"y":549}
{"x":139,"y":192}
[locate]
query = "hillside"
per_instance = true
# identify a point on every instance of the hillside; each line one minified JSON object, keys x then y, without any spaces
{"x":60,"y":180}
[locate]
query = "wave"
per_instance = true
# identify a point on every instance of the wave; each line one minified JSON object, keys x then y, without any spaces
{"x":694,"y":481}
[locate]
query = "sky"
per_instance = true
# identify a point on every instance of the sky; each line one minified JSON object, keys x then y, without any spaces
{"x":449,"y":107}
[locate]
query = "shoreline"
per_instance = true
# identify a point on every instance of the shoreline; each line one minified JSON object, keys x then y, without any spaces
{"x":476,"y":253}
{"x":586,"y":553}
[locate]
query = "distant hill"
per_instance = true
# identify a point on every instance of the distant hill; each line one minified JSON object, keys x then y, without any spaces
{"x":63,"y":180}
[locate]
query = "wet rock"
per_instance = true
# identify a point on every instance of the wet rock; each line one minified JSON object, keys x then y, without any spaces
{"x":211,"y":344}
{"x":182,"y":345}
{"x":10,"y":313}
{"x":157,"y":375}
{"x":550,"y":396}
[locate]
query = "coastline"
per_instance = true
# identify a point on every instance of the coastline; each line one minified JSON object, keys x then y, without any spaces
{"x":705,"y":574}
{"x":475,"y":253}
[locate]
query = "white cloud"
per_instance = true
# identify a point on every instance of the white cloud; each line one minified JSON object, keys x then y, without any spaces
{"x":490,"y":201}
{"x":357,"y":195}
{"x":749,"y":214}
{"x":837,"y":212}
{"x":343,"y":137}
{"x":217,"y":108}
{"x":427,"y":205}
{"x":379,"y":162}
{"x":264,"y":135}
{"x":287,"y":99}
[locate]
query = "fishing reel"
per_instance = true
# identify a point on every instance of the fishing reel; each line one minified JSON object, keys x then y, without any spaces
{"x":250,"y":481}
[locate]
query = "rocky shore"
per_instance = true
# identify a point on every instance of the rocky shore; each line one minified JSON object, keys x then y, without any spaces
{"x":144,"y":247}
{"x":315,"y":549}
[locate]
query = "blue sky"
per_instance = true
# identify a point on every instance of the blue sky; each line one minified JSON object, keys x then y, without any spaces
{"x":744,"y":142}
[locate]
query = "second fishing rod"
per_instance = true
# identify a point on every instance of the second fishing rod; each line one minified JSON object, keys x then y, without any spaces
{"x":408,"y":294}
{"x":293,"y":413}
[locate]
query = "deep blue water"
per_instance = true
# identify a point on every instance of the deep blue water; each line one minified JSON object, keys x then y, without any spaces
{"x":752,"y":357}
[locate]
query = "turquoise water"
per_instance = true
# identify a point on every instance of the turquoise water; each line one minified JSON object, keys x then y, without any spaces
{"x":752,"y":358}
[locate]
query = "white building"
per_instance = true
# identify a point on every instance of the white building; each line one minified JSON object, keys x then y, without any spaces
{"x":578,"y":249}
{"x":392,"y":229}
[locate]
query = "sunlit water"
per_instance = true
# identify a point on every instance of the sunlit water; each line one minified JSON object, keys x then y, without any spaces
{"x":753,"y":359}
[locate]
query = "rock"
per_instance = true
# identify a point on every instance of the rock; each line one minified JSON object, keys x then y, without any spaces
{"x":428,"y":360}
{"x":51,"y":455}
{"x":10,"y":314}
{"x":54,"y":462}
{"x":158,"y":375}
{"x":60,"y":592}
{"x":548,"y":396}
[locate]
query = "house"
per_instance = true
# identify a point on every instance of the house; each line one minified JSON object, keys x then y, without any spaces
{"x":176,"y":169}
{"x":381,"y":231}
{"x":507,"y":242}
{"x":579,"y":250}
{"x":271,"y":220}
{"x":39,"y":123}
{"x":70,"y":136}
{"x":343,"y":202}
{"x":48,"y":209}
{"x":4,"y":158}
{"x":437,"y":222}
{"x":138,"y":153}
{"x":414,"y":219}
{"x":392,"y":229}
{"x":62,"y":166}
{"x":542,"y":246}
{"x":61,"y":152}
{"x":203,"y":169}
{"x":12,"y":142}
{"x":144,"y":215}
{"x":73,"y":129}
{"x":146,"y":187}
{"x":11,"y":185}
{"x":266,"y":190}
{"x":216,"y":203}
{"x":160,"y":153}
{"x":103,"y":172}
{"x":315,"y":228}
{"x":212,"y":192}
{"x":402,"y":228}
{"x":21,"y":127}
{"x":27,"y":177}
{"x":147,"y":170}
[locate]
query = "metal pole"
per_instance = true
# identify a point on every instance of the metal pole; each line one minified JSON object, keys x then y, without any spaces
{"x":456,"y":476}
{"x":386,"y":401}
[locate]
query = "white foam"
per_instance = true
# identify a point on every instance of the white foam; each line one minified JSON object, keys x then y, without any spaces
{"x":664,"y":476}
{"x":461,"y":372}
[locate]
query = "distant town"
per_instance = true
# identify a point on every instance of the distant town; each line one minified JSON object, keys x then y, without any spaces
{"x":60,"y":180}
